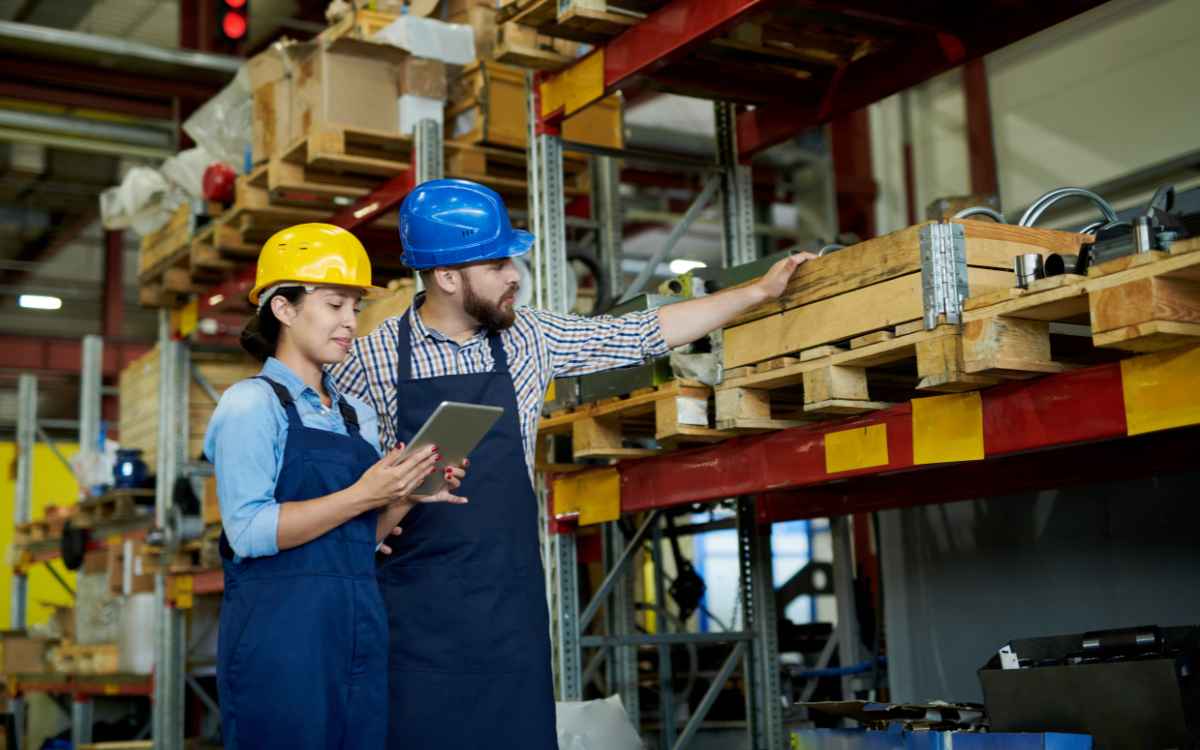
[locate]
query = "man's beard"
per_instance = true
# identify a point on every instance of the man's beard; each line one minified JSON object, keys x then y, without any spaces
{"x":491,"y":316}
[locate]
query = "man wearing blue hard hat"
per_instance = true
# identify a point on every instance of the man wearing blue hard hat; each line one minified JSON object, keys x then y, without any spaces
{"x":469,"y":642}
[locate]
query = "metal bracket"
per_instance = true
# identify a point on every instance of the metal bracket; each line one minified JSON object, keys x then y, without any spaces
{"x":943,"y":272}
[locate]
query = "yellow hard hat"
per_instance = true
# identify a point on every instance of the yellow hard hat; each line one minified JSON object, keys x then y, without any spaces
{"x":313,"y":254}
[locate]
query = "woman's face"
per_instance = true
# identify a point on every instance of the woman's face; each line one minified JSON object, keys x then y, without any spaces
{"x":322,"y":324}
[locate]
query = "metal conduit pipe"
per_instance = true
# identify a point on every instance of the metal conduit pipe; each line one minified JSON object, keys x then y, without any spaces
{"x":991,"y":213}
{"x":77,"y":126}
{"x":1035,"y":211}
{"x":93,"y":43}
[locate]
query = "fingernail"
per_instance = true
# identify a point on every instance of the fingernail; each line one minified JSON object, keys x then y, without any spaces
{"x":437,"y":456}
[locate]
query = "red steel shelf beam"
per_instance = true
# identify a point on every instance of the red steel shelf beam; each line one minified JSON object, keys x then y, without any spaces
{"x":920,"y":41}
{"x":93,"y":685}
{"x":822,"y":467}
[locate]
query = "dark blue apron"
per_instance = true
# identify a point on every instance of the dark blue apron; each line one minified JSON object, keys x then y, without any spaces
{"x":301,"y":652}
{"x":468,"y":629}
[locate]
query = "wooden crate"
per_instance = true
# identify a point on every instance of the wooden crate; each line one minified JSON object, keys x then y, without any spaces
{"x":588,"y":21}
{"x":1137,"y":303}
{"x":487,"y":105}
{"x":72,"y":658}
{"x":875,"y":286}
{"x":138,"y":422}
{"x":114,"y":505}
{"x":163,"y":245}
{"x":525,"y":46}
{"x":673,"y":415}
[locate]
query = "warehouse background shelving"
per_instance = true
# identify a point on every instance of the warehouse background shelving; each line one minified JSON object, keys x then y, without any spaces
{"x":1077,"y":427}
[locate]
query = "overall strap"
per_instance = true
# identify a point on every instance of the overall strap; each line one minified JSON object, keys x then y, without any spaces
{"x":285,"y":400}
{"x":349,"y":416}
{"x":499,"y":356}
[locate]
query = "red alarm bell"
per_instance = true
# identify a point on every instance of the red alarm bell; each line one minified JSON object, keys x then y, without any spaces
{"x":219,"y":180}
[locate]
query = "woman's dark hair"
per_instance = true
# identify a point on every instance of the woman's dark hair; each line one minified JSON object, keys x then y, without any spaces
{"x":261,"y":334}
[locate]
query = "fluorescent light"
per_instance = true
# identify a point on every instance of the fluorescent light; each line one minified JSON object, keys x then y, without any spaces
{"x":683,"y":265}
{"x":39,"y":302}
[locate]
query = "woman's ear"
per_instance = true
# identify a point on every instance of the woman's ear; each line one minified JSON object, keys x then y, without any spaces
{"x":285,"y":312}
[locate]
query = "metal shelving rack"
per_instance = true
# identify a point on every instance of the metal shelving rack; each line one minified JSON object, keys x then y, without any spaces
{"x":783,"y":475}
{"x":82,"y":688}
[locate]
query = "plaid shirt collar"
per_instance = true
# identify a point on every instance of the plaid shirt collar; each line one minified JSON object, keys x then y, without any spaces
{"x":424,"y":332}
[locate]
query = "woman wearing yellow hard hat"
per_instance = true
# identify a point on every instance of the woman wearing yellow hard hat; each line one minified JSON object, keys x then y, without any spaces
{"x":306,"y":501}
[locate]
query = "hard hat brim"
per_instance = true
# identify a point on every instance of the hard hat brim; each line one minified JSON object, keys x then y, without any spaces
{"x":369,"y":292}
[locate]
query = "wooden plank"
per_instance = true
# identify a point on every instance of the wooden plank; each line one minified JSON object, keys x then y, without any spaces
{"x":845,"y":407}
{"x":1008,"y":347}
{"x":989,"y":245}
{"x":1153,"y":336}
{"x":871,"y":338}
{"x":842,"y":317}
{"x":1126,"y":262}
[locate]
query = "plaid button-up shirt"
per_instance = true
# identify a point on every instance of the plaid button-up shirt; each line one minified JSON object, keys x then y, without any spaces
{"x":540,"y":346}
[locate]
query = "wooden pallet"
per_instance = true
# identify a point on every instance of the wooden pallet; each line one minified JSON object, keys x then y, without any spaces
{"x":672,"y":415}
{"x":335,"y":151}
{"x":73,"y":658}
{"x":1137,"y":303}
{"x":37,"y":531}
{"x":115,"y":505}
{"x":590,"y":21}
{"x":161,"y":248}
{"x":875,"y":285}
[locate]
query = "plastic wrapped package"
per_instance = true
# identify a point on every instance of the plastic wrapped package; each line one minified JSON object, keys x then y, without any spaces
{"x":223,"y":126}
{"x":426,"y":37}
{"x":595,"y":725}
{"x":139,"y":202}
{"x":186,"y":170}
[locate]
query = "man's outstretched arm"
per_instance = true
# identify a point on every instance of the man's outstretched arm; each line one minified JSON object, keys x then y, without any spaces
{"x":684,"y":322}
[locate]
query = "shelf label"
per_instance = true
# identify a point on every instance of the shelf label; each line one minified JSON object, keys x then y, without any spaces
{"x":947,"y":428}
{"x":859,"y":448}
{"x":594,"y":495}
{"x":1161,"y":390}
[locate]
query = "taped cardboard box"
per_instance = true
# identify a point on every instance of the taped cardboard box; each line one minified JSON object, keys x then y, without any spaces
{"x":272,"y":82}
{"x":420,"y":76}
{"x":344,"y":90}
{"x":23,"y":653}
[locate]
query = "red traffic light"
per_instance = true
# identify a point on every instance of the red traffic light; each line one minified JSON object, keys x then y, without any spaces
{"x":235,"y":3}
{"x":234,"y":24}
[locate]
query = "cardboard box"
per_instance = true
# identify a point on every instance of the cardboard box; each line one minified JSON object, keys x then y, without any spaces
{"x":482,"y":20}
{"x":24,"y":654}
{"x":272,"y":82}
{"x":346,"y":90}
{"x":487,"y":105}
{"x":422,"y":77}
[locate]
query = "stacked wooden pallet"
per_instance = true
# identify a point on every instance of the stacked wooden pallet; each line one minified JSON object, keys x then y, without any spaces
{"x":139,"y":398}
{"x":849,"y":335}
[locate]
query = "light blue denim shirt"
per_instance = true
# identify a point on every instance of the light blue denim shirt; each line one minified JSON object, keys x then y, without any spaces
{"x":245,"y":441}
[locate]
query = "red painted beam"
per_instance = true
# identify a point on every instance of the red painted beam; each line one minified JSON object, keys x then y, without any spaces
{"x":853,"y":174}
{"x":114,"y":276}
{"x":981,"y":148}
{"x":62,"y":356}
{"x":1086,"y":463}
{"x":75,"y":99}
{"x":94,"y":78}
{"x":371,"y":206}
{"x":1081,"y":406}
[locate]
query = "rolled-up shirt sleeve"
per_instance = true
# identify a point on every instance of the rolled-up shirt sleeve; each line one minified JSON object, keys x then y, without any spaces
{"x":579,"y":345}
{"x":243,"y":443}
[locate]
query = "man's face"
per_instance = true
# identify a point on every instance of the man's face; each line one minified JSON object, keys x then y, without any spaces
{"x":490,"y":292}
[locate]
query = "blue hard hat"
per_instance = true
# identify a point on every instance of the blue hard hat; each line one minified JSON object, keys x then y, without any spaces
{"x":450,"y":222}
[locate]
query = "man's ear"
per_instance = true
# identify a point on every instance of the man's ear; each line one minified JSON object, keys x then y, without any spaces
{"x":449,"y":280}
{"x":284,"y":311}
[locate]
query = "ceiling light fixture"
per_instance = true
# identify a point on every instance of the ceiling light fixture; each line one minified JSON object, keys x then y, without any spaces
{"x":39,"y":302}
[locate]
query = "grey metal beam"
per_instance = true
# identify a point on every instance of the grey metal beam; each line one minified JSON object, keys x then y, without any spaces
{"x":23,"y":35}
{"x":27,"y":395}
{"x":662,"y":253}
{"x":664,"y":639}
{"x":86,"y":128}
{"x":710,"y":697}
{"x":618,"y":568}
{"x":90,"y":380}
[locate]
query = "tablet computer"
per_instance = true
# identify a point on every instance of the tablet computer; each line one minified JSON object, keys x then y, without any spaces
{"x":455,"y":428}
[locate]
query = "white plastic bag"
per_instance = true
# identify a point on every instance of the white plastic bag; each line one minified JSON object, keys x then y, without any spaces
{"x":595,"y":725}
{"x":223,"y":126}
{"x":426,"y":37}
{"x":139,"y":202}
{"x":186,"y":170}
